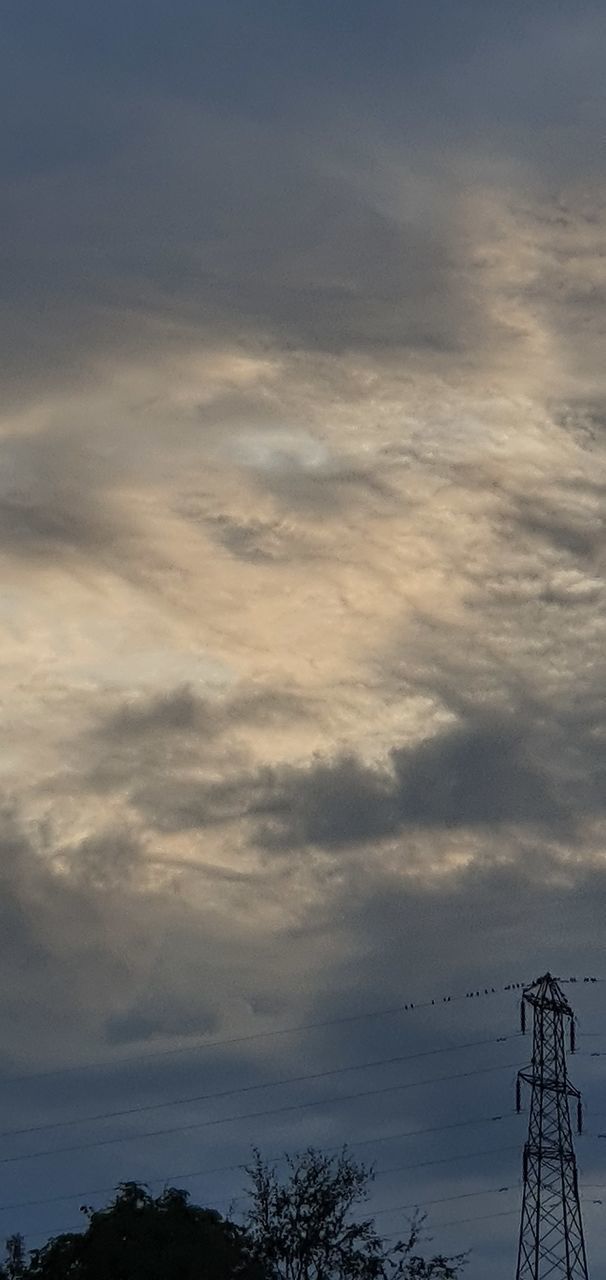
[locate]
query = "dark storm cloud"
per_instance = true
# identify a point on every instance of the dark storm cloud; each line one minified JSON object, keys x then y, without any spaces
{"x":568,"y":537}
{"x":256,"y":541}
{"x":61,"y":925}
{"x":181,"y":710}
{"x":586,"y":420}
{"x":59,"y":953}
{"x":50,"y":497}
{"x":325,"y":491}
{"x":291,"y":184}
{"x":570,"y":519}
{"x":339,"y":803}
{"x":178,"y":165}
{"x":159,"y":1015}
{"x":238,"y":230}
{"x":61,"y":922}
{"x":480,"y":774}
{"x":301,"y":491}
{"x":508,"y":911}
{"x":156,"y":742}
{"x":477,"y":775}
{"x":519,"y":903}
{"x":242,"y":56}
{"x":90,"y":947}
{"x":177,"y":711}
{"x":105,"y":861}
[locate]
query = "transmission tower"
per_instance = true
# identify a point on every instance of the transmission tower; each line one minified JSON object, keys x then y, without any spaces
{"x":551,"y":1230}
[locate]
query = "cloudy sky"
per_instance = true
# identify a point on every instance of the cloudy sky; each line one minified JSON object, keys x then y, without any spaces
{"x":301,"y":524}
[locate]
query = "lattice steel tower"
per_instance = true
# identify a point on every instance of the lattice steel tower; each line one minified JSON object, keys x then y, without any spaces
{"x":551,"y":1230}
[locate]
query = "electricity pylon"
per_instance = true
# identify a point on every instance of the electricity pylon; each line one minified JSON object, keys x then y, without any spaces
{"x":551,"y":1231}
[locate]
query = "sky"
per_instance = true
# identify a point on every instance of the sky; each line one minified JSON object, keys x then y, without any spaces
{"x":302,"y":595}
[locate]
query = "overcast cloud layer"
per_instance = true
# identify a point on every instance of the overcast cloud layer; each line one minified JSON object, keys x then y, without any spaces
{"x":303,"y":603}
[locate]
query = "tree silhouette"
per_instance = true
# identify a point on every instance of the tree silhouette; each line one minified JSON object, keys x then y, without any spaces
{"x":141,"y":1238}
{"x":303,"y":1228}
{"x":16,"y":1265}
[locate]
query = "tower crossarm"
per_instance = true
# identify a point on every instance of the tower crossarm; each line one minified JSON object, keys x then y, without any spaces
{"x":547,"y":1152}
{"x":553,"y":1085}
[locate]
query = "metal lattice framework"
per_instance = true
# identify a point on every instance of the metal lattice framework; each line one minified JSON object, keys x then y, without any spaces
{"x":551,"y":1231}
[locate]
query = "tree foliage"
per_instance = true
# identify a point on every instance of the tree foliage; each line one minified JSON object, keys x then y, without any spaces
{"x":16,"y":1264}
{"x":141,"y":1238}
{"x":305,"y":1228}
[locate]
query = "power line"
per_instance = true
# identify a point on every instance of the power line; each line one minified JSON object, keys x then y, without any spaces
{"x":464,"y":1195}
{"x":457,"y":1222}
{"x":243,"y":1165}
{"x":480,"y":991}
{"x":257,"y":1115}
{"x":393,"y":1011}
{"x":252,"y":1088}
{"x":425,"y":1164}
{"x":580,"y":980}
{"x":467,"y":1195}
{"x":415,"y":1204}
{"x":32,"y":1155}
{"x":394,"y":1235}
{"x":296,"y":1107}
